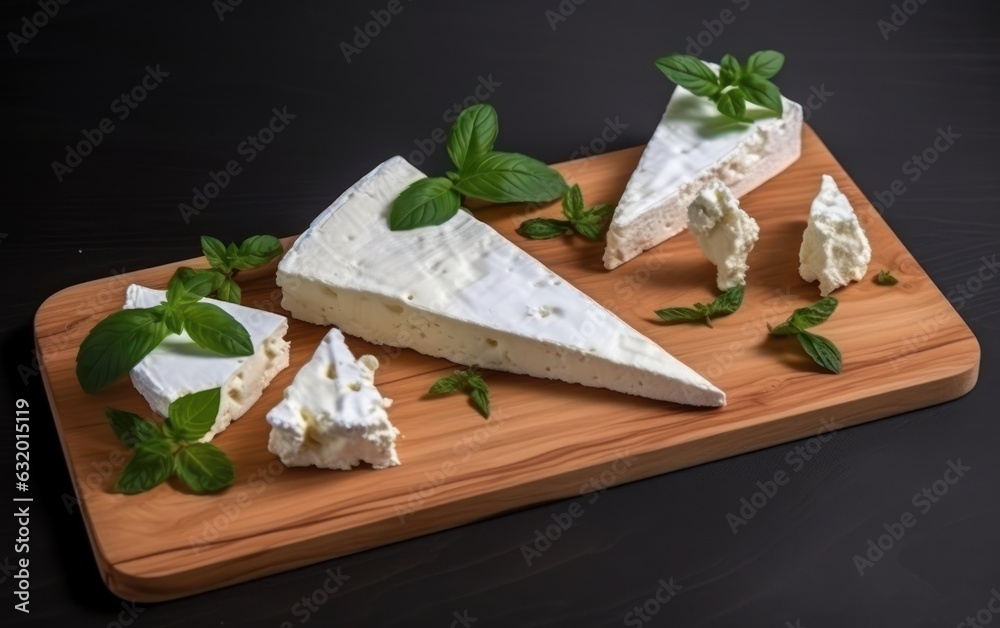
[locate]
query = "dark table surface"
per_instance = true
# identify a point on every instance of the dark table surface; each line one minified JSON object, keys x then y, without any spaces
{"x":891,"y":78}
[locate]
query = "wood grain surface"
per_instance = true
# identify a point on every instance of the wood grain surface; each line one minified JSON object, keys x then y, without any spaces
{"x":904,"y":347}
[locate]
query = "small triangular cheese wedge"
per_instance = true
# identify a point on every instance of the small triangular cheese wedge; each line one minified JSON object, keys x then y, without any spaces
{"x":835,"y":250}
{"x":332,"y":415}
{"x":693,"y":144}
{"x":463,"y":292}
{"x":179,"y":367}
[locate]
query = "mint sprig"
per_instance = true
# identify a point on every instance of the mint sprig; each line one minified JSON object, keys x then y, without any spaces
{"x":482,"y":173}
{"x":116,"y":344}
{"x":469,"y":382}
{"x":885,"y":278}
{"x":723,"y":305}
{"x":734,"y":85}
{"x":820,"y":349}
{"x":160,"y":453}
{"x":587,"y":222}
{"x":227,"y":261}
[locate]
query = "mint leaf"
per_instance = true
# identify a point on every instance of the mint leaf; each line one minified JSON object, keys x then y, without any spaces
{"x":821,"y":350}
{"x":151,"y":465}
{"x":762,"y":92}
{"x":204,"y":467}
{"x":690,"y":73}
{"x":806,"y":317}
{"x":215,"y":253}
{"x":723,"y":305}
{"x":469,"y":382}
{"x":732,"y":104}
{"x":212,"y":328}
{"x":424,"y":203}
{"x":543,"y":228}
{"x":572,"y":202}
{"x":473,"y":134}
{"x":191,"y":416}
{"x":590,"y":223}
{"x":116,"y":344}
{"x":229,"y":291}
{"x":765,"y":63}
{"x":131,"y":429}
{"x":509,"y":178}
{"x":256,"y":251}
{"x":885,"y":278}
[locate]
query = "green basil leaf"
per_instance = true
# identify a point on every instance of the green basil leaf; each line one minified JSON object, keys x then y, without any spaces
{"x":572,"y":202}
{"x":256,"y":251}
{"x":732,"y":104}
{"x":690,"y":73}
{"x":151,"y":465}
{"x":447,"y":384}
{"x":131,"y":429}
{"x":215,"y":253}
{"x":481,"y":399}
{"x":885,"y":278}
{"x":762,"y":92}
{"x":727,"y":302}
{"x":510,"y":178}
{"x":204,"y":467}
{"x":173,"y":319}
{"x":116,"y":344}
{"x":188,"y":286}
{"x":765,"y":63}
{"x":729,"y":70}
{"x":473,"y":134}
{"x":806,"y":317}
{"x":229,"y":291}
{"x":425,"y":202}
{"x":210,"y":275}
{"x":191,"y":416}
{"x":821,"y":350}
{"x":212,"y":328}
{"x":543,"y":228}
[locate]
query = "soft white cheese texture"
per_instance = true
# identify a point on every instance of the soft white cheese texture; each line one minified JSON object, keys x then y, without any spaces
{"x":835,"y":249}
{"x":179,"y":367}
{"x":693,"y":144}
{"x":463,"y":292}
{"x":332,"y":415}
{"x":725,"y":233}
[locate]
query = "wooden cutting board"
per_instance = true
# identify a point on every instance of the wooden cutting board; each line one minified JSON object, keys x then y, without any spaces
{"x":904,"y":347}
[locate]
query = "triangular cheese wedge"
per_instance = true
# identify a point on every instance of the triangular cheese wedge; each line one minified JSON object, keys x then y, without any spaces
{"x":692,"y":145}
{"x":179,"y":367}
{"x":463,"y":292}
{"x":332,"y":415}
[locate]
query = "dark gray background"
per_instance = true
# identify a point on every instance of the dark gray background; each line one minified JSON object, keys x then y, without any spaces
{"x":793,"y":561}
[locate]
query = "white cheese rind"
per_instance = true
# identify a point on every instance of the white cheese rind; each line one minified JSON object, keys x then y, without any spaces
{"x":835,"y":249}
{"x":693,"y":144}
{"x":332,"y":415}
{"x":179,"y":367}
{"x":463,"y":292}
{"x":725,"y":233}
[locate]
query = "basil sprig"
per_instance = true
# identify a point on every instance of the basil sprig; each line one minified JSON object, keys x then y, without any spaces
{"x":820,"y":349}
{"x":469,"y":382}
{"x":734,"y":86}
{"x":160,"y":453}
{"x":120,"y":341}
{"x":587,"y":222}
{"x":723,"y":305}
{"x":227,"y":261}
{"x":481,"y":173}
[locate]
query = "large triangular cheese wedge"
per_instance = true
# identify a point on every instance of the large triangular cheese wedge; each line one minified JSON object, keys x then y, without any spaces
{"x":463,"y":292}
{"x":692,"y":145}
